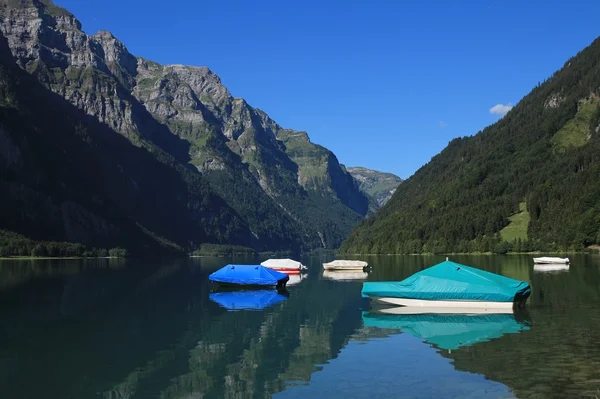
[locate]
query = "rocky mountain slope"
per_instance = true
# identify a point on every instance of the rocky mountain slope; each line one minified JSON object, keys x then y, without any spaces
{"x":379,"y":186}
{"x":527,"y":182}
{"x":283,"y":191}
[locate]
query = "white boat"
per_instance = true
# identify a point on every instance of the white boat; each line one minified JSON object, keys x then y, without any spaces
{"x":345,"y":265}
{"x":551,"y":260}
{"x":284,"y":265}
{"x":547,"y":267}
{"x":345,"y":275}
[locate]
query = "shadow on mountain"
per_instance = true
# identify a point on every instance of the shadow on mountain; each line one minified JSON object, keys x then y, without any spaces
{"x":69,"y":177}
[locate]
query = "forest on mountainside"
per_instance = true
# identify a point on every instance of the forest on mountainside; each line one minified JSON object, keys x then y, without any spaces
{"x":544,"y":154}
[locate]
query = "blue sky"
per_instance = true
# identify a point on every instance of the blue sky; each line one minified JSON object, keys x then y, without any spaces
{"x":383,"y":84}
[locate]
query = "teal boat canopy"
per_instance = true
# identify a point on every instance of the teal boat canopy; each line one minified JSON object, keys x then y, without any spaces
{"x":450,"y":281}
{"x":448,"y":331}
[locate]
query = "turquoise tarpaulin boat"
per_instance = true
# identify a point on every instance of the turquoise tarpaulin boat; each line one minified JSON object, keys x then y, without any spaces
{"x":448,"y":331}
{"x":450,"y":284}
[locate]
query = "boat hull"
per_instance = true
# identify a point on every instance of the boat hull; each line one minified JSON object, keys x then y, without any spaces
{"x":441,"y":310}
{"x":421,"y":303}
{"x":234,"y":286}
{"x":286,"y":271}
{"x":551,"y":261}
{"x":345,"y":268}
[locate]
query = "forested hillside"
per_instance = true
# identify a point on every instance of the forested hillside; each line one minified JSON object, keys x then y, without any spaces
{"x":538,"y":167}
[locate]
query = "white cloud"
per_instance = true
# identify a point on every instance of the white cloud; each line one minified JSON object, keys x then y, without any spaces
{"x":442,"y":124}
{"x":501,"y":109}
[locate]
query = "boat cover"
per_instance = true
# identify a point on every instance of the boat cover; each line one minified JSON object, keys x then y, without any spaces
{"x":283,"y":264}
{"x":448,"y":331}
{"x":247,"y":300}
{"x":450,"y":281}
{"x":248,"y":275}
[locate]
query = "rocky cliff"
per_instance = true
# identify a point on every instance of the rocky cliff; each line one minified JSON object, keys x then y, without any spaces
{"x":287,"y":191}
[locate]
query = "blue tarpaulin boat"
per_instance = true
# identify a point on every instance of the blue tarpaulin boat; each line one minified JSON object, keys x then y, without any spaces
{"x":448,"y":331}
{"x":450,"y":284}
{"x":247,"y":300}
{"x":248,"y":276}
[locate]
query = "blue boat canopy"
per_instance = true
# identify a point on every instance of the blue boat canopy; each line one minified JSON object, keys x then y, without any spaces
{"x":247,"y":300}
{"x":248,"y":275}
{"x":449,"y":331}
{"x":450,"y":281}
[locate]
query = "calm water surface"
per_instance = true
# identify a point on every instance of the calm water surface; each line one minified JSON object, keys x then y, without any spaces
{"x":136,"y":329}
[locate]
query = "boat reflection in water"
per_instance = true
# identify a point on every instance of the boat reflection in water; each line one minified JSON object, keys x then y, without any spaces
{"x":545,"y":268}
{"x":247,"y":300}
{"x":345,"y":275}
{"x":295,"y":279}
{"x":447,"y":331}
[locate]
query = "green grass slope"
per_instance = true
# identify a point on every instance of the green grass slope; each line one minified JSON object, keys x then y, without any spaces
{"x":519,"y":223}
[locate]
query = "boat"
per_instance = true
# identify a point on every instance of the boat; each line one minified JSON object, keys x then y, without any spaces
{"x":448,"y":331}
{"x":547,"y":267}
{"x":287,"y":266}
{"x":551,"y":260}
{"x":249,"y":276}
{"x":345,"y":275}
{"x":345,"y":265}
{"x":450,"y":285}
{"x":247,"y":300}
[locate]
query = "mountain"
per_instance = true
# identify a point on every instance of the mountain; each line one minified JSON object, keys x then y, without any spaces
{"x":222,"y":171}
{"x":379,"y":186}
{"x":527,"y":182}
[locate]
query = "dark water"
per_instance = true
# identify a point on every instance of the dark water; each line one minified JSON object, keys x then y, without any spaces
{"x":116,"y":329}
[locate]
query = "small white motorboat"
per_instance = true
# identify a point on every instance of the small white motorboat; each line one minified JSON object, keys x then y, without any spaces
{"x":345,"y":275}
{"x":548,"y":267}
{"x":345,"y":265}
{"x":287,"y":266}
{"x":551,"y":260}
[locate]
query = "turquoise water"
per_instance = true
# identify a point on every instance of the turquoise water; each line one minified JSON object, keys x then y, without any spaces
{"x":137,"y":329}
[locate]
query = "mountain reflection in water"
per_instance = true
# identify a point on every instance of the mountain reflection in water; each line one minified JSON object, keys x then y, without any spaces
{"x":134,"y":329}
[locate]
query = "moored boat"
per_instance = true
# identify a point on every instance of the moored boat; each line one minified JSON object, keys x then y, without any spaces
{"x":249,"y":276}
{"x":551,"y":260}
{"x":450,"y":285}
{"x":287,"y":266}
{"x":345,"y":265}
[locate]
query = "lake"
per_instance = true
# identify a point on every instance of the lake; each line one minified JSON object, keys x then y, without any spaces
{"x":116,"y":329}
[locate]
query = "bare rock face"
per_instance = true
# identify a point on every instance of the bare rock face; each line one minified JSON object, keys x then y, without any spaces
{"x":189,"y":113}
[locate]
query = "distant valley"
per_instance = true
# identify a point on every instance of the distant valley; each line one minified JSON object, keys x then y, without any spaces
{"x":379,"y":186}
